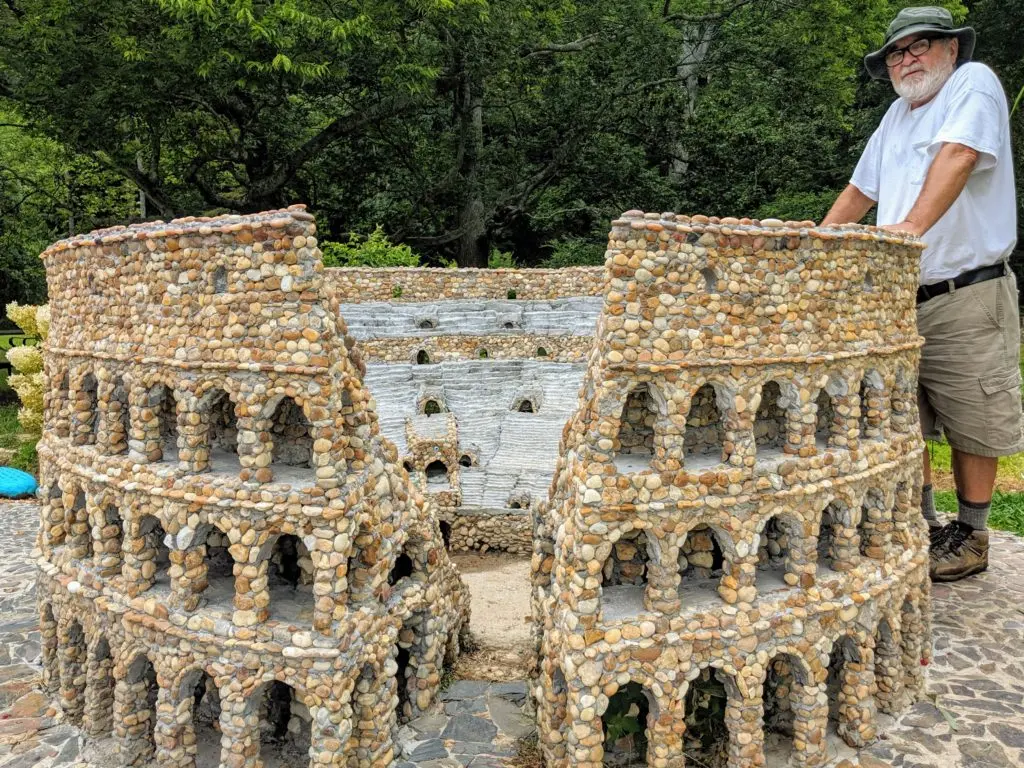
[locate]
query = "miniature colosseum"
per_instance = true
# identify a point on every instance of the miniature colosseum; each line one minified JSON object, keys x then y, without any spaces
{"x":235,"y":568}
{"x":732,"y":553}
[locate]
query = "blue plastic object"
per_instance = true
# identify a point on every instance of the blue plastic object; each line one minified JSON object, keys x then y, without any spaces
{"x":14,"y":484}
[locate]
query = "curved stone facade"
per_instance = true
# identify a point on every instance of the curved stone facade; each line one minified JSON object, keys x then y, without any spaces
{"x":235,"y":566}
{"x":735,"y":507}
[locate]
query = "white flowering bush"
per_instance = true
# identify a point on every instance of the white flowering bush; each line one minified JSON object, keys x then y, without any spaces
{"x":28,"y":362}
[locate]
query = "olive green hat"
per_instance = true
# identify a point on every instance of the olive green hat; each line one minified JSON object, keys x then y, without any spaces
{"x":912,"y":21}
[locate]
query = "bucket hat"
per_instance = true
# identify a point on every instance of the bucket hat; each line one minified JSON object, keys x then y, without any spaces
{"x":912,"y":21}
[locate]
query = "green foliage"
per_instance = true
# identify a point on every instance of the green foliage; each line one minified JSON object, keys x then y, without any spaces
{"x":623,"y":716}
{"x":1007,"y":509}
{"x":396,"y":291}
{"x":501,"y":260}
{"x":374,"y":250}
{"x":574,"y":252}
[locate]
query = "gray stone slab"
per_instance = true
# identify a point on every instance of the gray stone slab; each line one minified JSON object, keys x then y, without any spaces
{"x":469,"y":728}
{"x":510,"y":719}
{"x":464,"y":689}
{"x":429,"y":750}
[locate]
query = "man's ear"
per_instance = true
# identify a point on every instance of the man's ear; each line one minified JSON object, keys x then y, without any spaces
{"x":955,"y":48}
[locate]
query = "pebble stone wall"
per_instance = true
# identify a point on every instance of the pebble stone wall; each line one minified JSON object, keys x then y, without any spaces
{"x":737,"y":495}
{"x":234,"y":564}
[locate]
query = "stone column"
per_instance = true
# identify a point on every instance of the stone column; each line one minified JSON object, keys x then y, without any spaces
{"x":743,"y":719}
{"x":584,"y":746}
{"x":48,"y":643}
{"x":665,"y":731}
{"x":133,"y":723}
{"x":329,"y":732}
{"x":911,"y":638}
{"x":856,"y":704}
{"x":810,"y":724}
{"x":662,"y":592}
{"x":99,"y":690}
{"x":188,"y":570}
{"x":369,"y":742}
{"x":240,"y":733}
{"x":888,"y":667}
{"x":72,"y":672}
{"x":193,"y":437}
{"x":252,"y":597}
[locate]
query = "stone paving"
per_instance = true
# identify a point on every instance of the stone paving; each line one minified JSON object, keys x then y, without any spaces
{"x":973,"y":718}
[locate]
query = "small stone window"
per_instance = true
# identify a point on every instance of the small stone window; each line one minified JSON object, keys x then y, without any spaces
{"x":446,"y":533}
{"x":828,"y":533}
{"x":541,"y":352}
{"x":143,"y":691}
{"x":290,"y":581}
{"x":701,"y":560}
{"x":408,"y":466}
{"x":775,"y":568}
{"x":484,"y":354}
{"x":431,"y":407}
{"x":770,"y":421}
{"x":422,"y":358}
{"x":709,"y":277}
{"x":825,"y":421}
{"x":780,"y":693}
{"x":154,"y":551}
{"x":220,"y":280}
{"x":465,"y":460}
{"x":427,"y":324}
{"x":217,"y":412}
{"x":510,"y":295}
{"x":437,"y":473}
{"x":401,"y":570}
{"x":627,"y":563}
{"x":291,"y":435}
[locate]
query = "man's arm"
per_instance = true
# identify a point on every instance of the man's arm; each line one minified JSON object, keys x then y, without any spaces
{"x":851,"y":206}
{"x":946,"y":179}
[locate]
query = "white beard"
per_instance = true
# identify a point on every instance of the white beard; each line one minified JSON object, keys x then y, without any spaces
{"x":924,"y":86}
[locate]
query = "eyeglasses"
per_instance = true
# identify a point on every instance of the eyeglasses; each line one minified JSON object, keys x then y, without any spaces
{"x":916,"y":48}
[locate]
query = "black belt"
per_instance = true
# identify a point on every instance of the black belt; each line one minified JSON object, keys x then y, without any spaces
{"x":979,"y":275}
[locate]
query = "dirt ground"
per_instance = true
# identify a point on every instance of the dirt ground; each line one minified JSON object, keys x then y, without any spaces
{"x":499,"y":587}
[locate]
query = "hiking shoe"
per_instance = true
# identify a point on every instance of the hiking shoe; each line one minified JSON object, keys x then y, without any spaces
{"x":936,"y":532}
{"x":961,"y":552}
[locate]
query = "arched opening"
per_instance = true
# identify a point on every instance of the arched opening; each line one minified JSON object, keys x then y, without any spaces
{"x":427,"y":324}
{"x":875,"y":524}
{"x":626,"y":722}
{"x":154,"y":557}
{"x":872,"y":406}
{"x":99,"y":694}
{"x":701,"y":565}
{"x":139,"y":698}
{"x":87,"y":417}
{"x":72,"y":673}
{"x":407,"y":465}
{"x":465,"y":460}
{"x":437,"y":476}
{"x":824,"y":421}
{"x":402,"y":682}
{"x":200,"y":693}
{"x":221,"y":431}
{"x":634,"y":445}
{"x":541,"y":352}
{"x":704,"y":441}
{"x":401,"y":570}
{"x":484,"y":354}
{"x":508,"y":325}
{"x":118,"y":419}
{"x":774,"y":555}
{"x":422,"y":358}
{"x":162,"y":431}
{"x":291,"y":435}
{"x":709,"y":278}
{"x":559,"y":707}
{"x":220,"y":280}
{"x":624,"y":576}
{"x":780,"y":695}
{"x":220,"y":569}
{"x":446,"y":533}
{"x":770,"y":427}
{"x":285,"y":727}
{"x":430,"y":407}
{"x":526,"y":407}
{"x":827,"y":547}
{"x":290,"y":580}
{"x":110,"y":543}
{"x":706,"y":739}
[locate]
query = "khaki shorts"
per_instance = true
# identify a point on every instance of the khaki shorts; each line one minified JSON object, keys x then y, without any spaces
{"x":969,"y":383}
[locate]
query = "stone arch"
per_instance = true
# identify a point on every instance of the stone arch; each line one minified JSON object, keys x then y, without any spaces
{"x":432,"y":407}
{"x":794,"y":706}
{"x":836,"y":537}
{"x":285,"y":722}
{"x":626,"y":567}
{"x":158,"y":422}
{"x":290,"y":572}
{"x":135,"y":708}
{"x":438,"y":476}
{"x":216,"y":438}
{"x":197,"y":704}
{"x":704,"y":440}
{"x":446,"y":533}
{"x":828,"y":425}
{"x":781,"y":552}
{"x":291,"y":432}
{"x":628,"y":723}
{"x":873,"y":406}
{"x":85,"y":419}
{"x":778,"y":411}
{"x":99,"y":692}
{"x":850,"y":678}
{"x":709,"y":692}
{"x":414,"y":660}
{"x":636,"y":442}
{"x":702,"y":561}
{"x":422,"y":358}
{"x":528,"y":401}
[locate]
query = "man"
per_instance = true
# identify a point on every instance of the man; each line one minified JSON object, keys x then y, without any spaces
{"x":939,"y":166}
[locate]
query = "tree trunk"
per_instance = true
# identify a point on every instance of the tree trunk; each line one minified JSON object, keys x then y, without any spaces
{"x":473,"y":245}
{"x":689,"y":64}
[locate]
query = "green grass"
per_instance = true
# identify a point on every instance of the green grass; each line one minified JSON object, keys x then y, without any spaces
{"x":1007,"y":509}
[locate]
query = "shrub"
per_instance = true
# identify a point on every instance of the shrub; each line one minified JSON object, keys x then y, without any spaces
{"x":574,"y":252}
{"x":500,"y":260}
{"x":374,"y":250}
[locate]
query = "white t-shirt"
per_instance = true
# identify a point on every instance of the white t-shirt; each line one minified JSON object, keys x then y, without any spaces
{"x":980,"y":228}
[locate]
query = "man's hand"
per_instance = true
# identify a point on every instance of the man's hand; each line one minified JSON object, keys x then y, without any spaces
{"x":904,"y":226}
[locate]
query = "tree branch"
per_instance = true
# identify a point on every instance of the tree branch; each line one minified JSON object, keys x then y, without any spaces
{"x":574,"y":47}
{"x":704,"y":18}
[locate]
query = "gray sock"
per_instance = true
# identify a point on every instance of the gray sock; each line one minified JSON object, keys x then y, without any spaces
{"x":973,"y":514}
{"x":928,"y":503}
